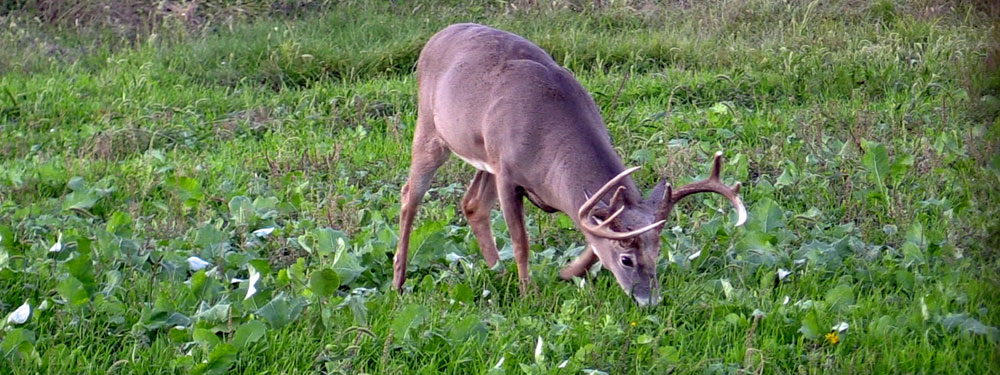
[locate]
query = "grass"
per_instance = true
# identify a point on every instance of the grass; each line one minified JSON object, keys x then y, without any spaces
{"x":865,"y":134}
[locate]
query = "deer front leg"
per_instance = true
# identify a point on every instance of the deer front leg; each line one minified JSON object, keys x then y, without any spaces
{"x":512,"y":205}
{"x":579,"y":267}
{"x":477,"y":204}
{"x":428,"y":155}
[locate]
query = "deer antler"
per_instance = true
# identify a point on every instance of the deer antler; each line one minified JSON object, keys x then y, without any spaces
{"x":601,"y":229}
{"x":710,"y":185}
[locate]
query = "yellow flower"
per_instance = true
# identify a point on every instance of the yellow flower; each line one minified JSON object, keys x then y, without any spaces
{"x":833,"y":338}
{"x":634,"y":324}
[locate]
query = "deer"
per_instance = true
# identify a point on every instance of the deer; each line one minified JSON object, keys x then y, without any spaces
{"x":530,"y":129}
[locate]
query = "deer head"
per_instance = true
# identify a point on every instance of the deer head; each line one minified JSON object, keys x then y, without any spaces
{"x":625,"y":235}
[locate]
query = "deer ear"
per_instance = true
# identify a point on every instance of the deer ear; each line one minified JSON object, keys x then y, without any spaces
{"x":601,"y":210}
{"x":656,"y":195}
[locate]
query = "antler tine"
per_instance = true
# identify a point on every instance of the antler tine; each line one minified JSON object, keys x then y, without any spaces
{"x":612,"y":235}
{"x":591,"y":202}
{"x":601,"y":229}
{"x":713,"y":184}
{"x":617,"y":197}
{"x":602,"y":224}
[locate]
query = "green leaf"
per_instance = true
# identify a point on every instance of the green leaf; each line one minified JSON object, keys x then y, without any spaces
{"x":411,"y":316}
{"x":77,"y":183}
{"x":787,"y":177}
{"x":21,"y":342}
{"x":756,"y":249}
{"x":644,"y":339}
{"x":912,"y":255}
{"x":79,"y":200}
{"x":205,"y":337}
{"x":810,"y":327}
{"x":840,"y":297}
{"x":719,"y":108}
{"x":261,"y":265}
{"x":188,"y":187}
{"x":462,"y":293}
{"x":198,"y":281}
{"x":208,"y":236}
{"x":358,"y":310}
{"x":821,"y":253}
{"x":915,"y":234}
{"x":876,"y":160}
{"x":248,"y":333}
{"x":297,"y":271}
{"x":669,"y":353}
{"x":177,"y":335}
{"x":241,"y":210}
{"x":966,"y":323}
{"x":642,"y":156}
{"x":219,"y":361}
{"x":6,"y":238}
{"x":766,"y":216}
{"x":901,"y":167}
{"x":469,"y":328}
{"x":81,"y":267}
{"x":281,"y":310}
{"x":73,"y":291}
{"x":324,"y":282}
{"x":215,"y":314}
{"x":120,"y":224}
{"x":346,"y":264}
{"x":321,"y":241}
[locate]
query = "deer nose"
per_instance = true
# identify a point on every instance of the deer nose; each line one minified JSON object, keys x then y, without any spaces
{"x":650,"y":300}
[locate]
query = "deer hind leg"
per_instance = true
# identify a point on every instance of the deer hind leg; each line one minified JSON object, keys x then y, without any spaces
{"x":428,"y":154}
{"x":512,"y":205}
{"x":477,"y":204}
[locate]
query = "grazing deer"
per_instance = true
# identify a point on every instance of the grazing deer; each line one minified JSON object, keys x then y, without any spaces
{"x":501,"y":104}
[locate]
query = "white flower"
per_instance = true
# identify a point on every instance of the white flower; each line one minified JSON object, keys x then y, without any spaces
{"x":20,"y":316}
{"x":695,"y":255}
{"x":57,"y":247}
{"x":538,"y":350}
{"x":252,"y":288}
{"x":787,"y":298}
{"x":196,"y":263}
{"x":783,"y":273}
{"x":263,"y":232}
{"x":840,"y":327}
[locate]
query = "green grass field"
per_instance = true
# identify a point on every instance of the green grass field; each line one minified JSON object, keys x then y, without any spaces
{"x":865,"y":134}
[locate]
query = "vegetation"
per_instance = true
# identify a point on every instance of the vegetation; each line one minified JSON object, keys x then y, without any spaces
{"x":215,"y":190}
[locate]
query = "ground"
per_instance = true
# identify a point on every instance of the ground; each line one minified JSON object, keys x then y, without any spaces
{"x":215,"y":189}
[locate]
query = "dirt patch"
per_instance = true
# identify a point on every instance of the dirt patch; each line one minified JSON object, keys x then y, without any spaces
{"x":251,"y":120}
{"x":115,"y":144}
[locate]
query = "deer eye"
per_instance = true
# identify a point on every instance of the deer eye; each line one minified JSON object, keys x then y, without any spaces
{"x":626,"y":261}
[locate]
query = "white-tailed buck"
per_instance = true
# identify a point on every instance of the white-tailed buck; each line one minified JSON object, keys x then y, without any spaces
{"x":502,"y":104}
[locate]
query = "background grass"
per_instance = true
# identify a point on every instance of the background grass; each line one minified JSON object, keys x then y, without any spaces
{"x":137,"y":136}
